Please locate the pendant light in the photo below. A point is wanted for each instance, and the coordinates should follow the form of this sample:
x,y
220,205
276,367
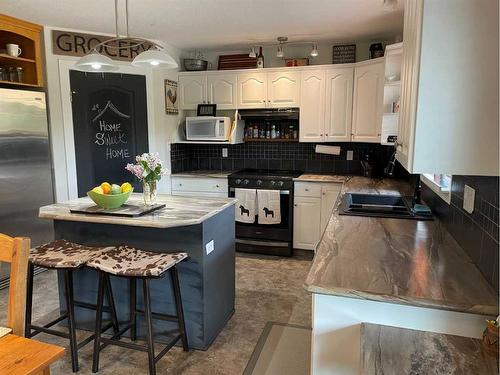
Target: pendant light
x,y
155,57
314,51
279,52
253,53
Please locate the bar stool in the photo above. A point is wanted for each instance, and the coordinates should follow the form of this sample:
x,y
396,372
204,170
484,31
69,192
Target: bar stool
x,y
66,256
135,264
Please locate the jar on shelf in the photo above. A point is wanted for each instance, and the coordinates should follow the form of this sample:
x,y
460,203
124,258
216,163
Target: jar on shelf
x,y
3,74
12,74
19,74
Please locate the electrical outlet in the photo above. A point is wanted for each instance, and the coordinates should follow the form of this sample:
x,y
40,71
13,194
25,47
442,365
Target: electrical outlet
x,y
224,152
469,197
350,154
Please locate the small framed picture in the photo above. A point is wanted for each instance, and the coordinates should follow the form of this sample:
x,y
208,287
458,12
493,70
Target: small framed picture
x,y
171,104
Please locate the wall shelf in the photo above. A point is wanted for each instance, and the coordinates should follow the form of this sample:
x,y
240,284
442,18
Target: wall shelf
x,y
10,83
276,140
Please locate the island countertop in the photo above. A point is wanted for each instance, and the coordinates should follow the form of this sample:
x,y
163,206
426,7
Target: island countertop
x,y
395,260
179,211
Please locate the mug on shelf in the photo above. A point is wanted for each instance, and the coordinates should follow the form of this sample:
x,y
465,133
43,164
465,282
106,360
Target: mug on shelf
x,y
13,50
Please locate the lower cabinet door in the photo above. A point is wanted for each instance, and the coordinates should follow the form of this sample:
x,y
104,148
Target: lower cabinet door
x,y
306,222
329,195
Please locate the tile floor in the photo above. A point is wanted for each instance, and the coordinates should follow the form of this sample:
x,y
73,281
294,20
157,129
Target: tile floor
x,y
267,289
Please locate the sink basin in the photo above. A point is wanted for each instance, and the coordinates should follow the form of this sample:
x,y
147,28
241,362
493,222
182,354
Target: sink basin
x,y
377,205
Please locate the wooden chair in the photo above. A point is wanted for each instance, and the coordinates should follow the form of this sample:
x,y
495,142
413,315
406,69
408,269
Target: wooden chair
x,y
16,252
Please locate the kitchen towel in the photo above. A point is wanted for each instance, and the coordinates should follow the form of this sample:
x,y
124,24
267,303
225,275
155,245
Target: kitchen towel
x,y
268,202
245,207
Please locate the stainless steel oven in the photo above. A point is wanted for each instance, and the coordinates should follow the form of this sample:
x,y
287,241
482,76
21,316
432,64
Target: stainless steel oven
x,y
271,239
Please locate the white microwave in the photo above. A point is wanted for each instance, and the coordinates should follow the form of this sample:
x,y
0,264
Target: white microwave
x,y
208,128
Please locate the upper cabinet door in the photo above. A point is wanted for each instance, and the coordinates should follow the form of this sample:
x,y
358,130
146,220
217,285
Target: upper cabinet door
x,y
368,102
312,106
192,91
338,108
222,90
252,90
283,89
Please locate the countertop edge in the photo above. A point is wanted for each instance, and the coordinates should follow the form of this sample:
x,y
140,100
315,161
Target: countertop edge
x,y
485,310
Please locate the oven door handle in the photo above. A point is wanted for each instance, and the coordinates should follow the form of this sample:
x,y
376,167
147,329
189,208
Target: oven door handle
x,y
282,192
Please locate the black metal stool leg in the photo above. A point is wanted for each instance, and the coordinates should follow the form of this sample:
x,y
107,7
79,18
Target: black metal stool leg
x,y
98,322
178,305
29,301
133,307
70,307
149,327
111,304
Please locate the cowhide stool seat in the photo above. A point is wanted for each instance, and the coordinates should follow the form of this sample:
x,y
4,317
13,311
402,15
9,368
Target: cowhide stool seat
x,y
66,257
136,264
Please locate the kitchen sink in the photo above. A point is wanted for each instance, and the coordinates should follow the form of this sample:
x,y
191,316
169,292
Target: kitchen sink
x,y
377,205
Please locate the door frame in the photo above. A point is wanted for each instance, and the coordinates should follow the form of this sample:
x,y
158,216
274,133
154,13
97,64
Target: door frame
x,y
67,113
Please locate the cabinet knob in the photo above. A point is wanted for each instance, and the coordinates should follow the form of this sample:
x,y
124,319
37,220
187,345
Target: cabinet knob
x,y
306,189
263,101
295,205
326,134
217,186
321,135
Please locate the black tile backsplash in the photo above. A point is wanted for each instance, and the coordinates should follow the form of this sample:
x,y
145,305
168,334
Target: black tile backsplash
x,y
478,232
298,156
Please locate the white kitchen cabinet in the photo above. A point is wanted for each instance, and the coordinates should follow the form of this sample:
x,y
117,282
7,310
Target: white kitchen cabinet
x,y
329,195
313,207
338,108
449,99
368,101
192,91
306,222
252,90
312,105
283,89
221,90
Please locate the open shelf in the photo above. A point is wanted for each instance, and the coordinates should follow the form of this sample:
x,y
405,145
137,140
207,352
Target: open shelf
x,y
4,56
19,84
276,140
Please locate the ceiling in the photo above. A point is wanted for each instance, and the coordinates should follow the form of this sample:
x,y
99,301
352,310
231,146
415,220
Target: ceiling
x,y
220,24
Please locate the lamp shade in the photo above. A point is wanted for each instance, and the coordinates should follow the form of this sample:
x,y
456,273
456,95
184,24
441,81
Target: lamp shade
x,y
95,62
154,58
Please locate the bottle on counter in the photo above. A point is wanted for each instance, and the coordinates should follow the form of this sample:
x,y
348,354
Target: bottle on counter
x,y
278,131
295,133
273,132
260,59
255,131
268,131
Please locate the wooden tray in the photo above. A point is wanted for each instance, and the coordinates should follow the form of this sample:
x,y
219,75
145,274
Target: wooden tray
x,y
239,61
127,210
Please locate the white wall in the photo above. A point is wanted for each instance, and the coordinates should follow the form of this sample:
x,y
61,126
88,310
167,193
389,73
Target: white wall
x,y
160,125
325,50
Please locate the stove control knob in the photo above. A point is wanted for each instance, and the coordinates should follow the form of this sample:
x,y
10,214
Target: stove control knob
x,y
238,181
273,183
259,182
280,183
246,182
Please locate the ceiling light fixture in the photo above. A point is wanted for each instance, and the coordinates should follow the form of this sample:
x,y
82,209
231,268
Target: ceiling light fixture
x,y
281,41
314,51
155,57
252,53
279,52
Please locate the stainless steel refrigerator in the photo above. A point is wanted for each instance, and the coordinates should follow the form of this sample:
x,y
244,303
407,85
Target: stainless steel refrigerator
x,y
25,167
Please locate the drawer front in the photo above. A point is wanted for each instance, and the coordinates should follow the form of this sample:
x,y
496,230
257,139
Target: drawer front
x,y
308,189
214,185
199,194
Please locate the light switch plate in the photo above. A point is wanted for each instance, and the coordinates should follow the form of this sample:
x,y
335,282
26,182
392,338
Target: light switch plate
x,y
209,247
224,152
469,197
350,154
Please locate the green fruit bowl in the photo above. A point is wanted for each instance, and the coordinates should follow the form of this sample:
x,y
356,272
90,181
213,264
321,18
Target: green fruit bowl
x,y
109,200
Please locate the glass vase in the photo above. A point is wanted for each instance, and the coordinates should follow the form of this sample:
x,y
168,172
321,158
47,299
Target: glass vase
x,y
149,192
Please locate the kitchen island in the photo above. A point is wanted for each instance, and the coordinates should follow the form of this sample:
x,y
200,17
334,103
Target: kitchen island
x,y
395,272
203,228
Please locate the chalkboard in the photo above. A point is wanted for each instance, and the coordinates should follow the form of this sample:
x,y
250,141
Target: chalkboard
x,y
110,126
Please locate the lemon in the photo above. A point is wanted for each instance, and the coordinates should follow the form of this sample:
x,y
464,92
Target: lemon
x,y
126,187
98,190
106,187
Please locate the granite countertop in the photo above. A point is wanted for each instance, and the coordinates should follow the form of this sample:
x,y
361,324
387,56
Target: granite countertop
x,y
179,211
203,173
391,350
395,260
311,177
